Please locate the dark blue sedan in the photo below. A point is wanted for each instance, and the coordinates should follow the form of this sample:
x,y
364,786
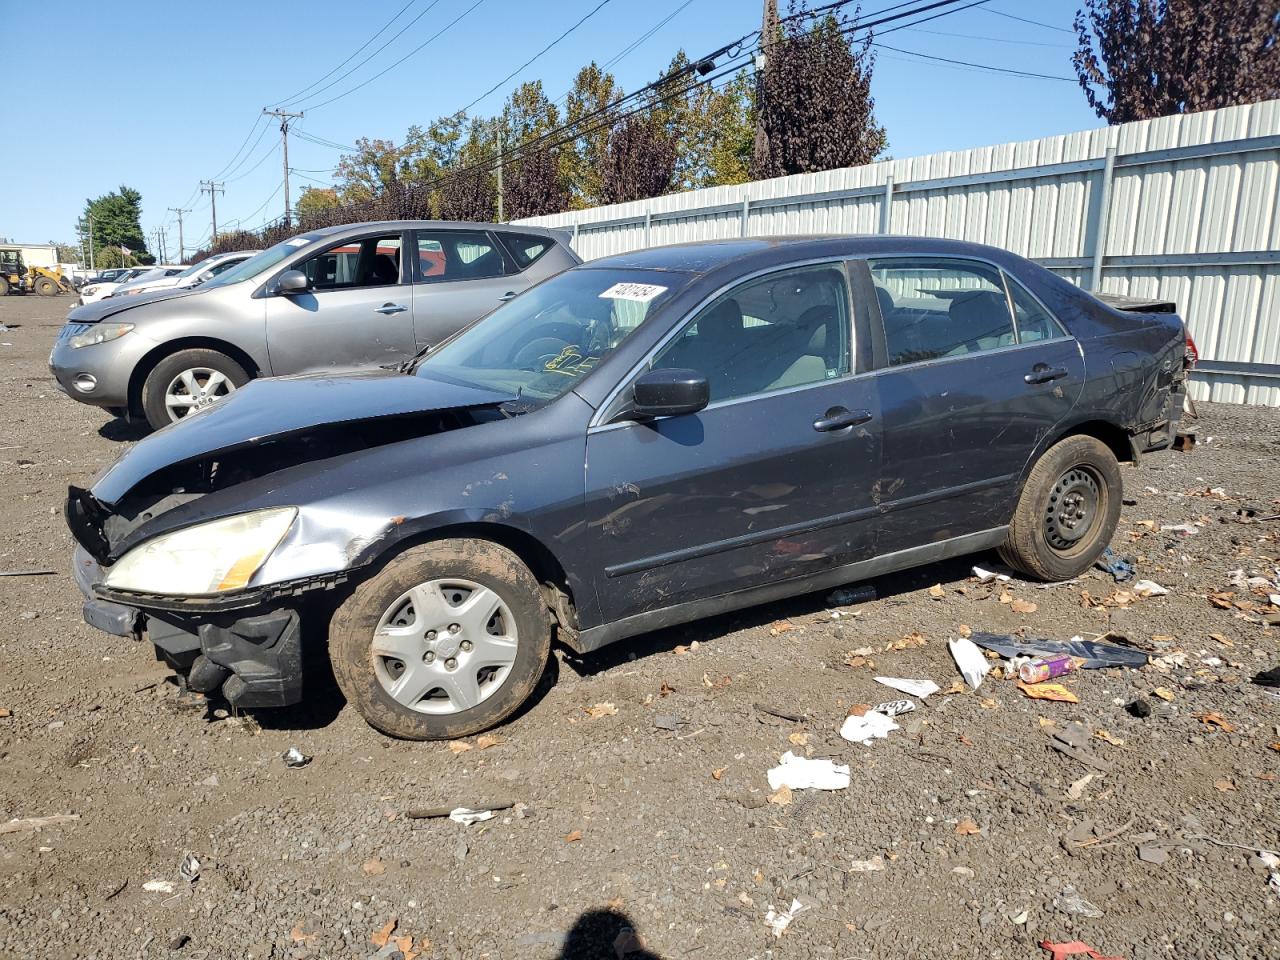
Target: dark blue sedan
x,y
637,442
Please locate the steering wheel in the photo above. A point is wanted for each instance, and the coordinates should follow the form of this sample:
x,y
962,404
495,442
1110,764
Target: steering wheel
x,y
537,353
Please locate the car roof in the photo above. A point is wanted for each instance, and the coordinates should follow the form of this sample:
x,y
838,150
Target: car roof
x,y
430,225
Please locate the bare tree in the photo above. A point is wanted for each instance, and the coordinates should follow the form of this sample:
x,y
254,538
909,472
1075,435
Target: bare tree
x,y
1152,58
639,161
813,98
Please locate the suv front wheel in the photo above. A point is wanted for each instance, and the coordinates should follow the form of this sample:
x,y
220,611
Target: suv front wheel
x,y
186,381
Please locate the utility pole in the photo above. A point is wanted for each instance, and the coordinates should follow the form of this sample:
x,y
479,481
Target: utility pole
x,y
213,189
769,27
284,117
182,249
91,241
498,128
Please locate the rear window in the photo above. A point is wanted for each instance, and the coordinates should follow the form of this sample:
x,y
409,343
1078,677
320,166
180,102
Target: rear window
x,y
525,247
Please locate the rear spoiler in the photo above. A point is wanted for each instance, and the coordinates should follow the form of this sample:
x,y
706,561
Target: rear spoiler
x,y
1137,304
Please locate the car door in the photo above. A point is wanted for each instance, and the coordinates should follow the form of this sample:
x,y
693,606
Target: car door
x,y
965,394
771,481
459,276
356,311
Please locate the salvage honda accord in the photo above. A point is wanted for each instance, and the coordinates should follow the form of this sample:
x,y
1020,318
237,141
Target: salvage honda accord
x,y
639,441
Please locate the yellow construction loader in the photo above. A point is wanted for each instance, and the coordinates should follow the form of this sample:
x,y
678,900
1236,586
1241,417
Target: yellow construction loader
x,y
17,277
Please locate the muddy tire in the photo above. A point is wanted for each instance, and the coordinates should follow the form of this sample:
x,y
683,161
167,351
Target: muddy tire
x,y
449,639
4,287
1067,512
179,383
46,287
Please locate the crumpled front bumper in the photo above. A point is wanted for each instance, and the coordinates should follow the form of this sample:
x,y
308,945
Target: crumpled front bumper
x,y
253,656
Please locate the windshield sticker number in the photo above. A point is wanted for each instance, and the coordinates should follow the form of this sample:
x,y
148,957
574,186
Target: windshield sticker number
x,y
640,292
297,242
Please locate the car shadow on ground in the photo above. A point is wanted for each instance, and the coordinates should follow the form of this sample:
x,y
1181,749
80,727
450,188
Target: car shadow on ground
x,y
124,431
597,934
886,588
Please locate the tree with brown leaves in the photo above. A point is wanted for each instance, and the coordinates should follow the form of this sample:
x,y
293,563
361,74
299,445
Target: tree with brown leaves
x,y
639,161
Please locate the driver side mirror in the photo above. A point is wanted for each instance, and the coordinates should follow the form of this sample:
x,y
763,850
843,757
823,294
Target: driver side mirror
x,y
669,392
293,281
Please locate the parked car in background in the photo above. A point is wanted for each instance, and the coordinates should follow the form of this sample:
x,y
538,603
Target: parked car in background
x,y
640,441
332,300
192,276
101,289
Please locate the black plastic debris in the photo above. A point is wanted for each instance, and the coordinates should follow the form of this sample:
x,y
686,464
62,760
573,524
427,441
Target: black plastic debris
x,y
1119,568
1095,654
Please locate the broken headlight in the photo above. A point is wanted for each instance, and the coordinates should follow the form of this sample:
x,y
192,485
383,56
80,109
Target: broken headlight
x,y
206,558
100,333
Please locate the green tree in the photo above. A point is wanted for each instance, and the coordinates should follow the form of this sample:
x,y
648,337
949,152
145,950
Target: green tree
x,y
719,135
589,109
117,222
371,171
315,202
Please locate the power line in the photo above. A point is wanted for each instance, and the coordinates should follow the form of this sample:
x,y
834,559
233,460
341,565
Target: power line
x,y
979,66
1038,23
261,160
227,168
380,32
971,36
321,141
245,158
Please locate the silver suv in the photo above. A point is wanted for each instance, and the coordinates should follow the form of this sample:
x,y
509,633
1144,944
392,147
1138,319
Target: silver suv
x,y
337,299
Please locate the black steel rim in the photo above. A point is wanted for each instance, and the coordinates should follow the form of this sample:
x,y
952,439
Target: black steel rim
x,y
1072,510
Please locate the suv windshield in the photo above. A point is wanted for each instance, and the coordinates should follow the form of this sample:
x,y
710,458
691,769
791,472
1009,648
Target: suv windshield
x,y
543,342
259,262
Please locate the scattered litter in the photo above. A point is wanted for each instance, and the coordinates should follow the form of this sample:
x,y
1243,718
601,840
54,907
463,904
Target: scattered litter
x,y
802,773
912,688
847,596
189,868
1076,790
870,726
158,886
467,816
1040,669
779,921
967,828
1268,678
27,573
1149,588
598,710
1185,529
969,659
989,576
1048,691
893,708
429,813
38,823
1119,568
1092,654
781,714
1018,605
1071,901
874,865
295,758
1061,951
1073,741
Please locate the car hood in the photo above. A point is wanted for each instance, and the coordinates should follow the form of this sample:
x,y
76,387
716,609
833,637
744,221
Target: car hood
x,y
280,407
111,306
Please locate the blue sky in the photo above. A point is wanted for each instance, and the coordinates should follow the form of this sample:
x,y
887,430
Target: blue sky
x,y
159,95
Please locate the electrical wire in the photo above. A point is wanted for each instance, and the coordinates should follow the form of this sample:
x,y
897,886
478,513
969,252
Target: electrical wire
x,y
227,167
971,36
261,160
969,63
321,141
245,158
1038,23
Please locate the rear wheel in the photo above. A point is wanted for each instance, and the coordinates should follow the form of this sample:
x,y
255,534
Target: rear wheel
x,y
1068,511
46,287
4,287
187,381
448,640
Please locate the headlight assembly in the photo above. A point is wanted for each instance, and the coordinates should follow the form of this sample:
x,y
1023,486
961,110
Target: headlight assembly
x,y
207,558
100,333
90,290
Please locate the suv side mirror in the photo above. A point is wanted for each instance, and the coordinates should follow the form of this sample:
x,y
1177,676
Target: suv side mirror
x,y
293,281
669,392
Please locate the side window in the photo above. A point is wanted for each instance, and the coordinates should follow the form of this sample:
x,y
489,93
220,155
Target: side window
x,y
222,267
935,307
458,255
363,262
1034,321
788,329
526,248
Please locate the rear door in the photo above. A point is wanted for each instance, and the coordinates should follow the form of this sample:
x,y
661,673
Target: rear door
x,y
357,312
773,480
459,276
965,393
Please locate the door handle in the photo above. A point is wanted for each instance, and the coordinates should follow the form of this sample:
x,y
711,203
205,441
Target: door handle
x,y
388,308
509,295
1043,373
838,418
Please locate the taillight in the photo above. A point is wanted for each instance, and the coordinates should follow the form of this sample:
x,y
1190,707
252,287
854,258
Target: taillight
x,y
1193,354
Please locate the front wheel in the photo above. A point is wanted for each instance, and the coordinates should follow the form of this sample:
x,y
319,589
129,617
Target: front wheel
x,y
187,381
46,287
448,640
1068,510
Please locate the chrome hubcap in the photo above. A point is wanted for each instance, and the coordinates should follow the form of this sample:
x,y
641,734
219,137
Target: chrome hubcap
x,y
195,389
1072,508
444,646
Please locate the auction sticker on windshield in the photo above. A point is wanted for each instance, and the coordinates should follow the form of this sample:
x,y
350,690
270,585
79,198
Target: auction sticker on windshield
x,y
642,292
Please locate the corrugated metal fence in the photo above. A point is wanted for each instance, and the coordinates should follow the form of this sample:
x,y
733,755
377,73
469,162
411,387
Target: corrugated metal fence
x,y
1183,208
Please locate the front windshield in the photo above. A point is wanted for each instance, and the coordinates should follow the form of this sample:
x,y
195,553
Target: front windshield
x,y
195,268
259,262
543,342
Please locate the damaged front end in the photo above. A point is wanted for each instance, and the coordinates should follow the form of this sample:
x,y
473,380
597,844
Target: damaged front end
x,y
201,540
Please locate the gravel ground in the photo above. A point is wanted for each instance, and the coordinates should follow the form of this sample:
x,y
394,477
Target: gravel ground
x,y
976,824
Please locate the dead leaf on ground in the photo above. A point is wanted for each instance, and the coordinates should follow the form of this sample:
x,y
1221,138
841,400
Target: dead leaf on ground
x,y
1110,738
1006,596
957,686
781,797
598,710
374,867
937,591
718,772
1274,746
405,945
860,662
859,709
1023,606
487,740
908,641
1216,719
680,650
988,703
780,627
1163,638
5,712
666,689
1219,638
1224,786
967,827
380,938
964,630
615,903
965,740
1164,693
1048,691
459,746
798,739
298,935
573,837
1222,600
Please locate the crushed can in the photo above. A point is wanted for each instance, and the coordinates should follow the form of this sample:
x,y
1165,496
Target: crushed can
x,y
1046,668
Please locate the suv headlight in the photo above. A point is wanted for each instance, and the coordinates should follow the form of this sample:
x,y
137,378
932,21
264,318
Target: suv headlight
x,y
207,558
100,333
90,290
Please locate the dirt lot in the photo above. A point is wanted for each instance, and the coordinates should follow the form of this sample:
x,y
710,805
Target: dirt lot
x,y
972,815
